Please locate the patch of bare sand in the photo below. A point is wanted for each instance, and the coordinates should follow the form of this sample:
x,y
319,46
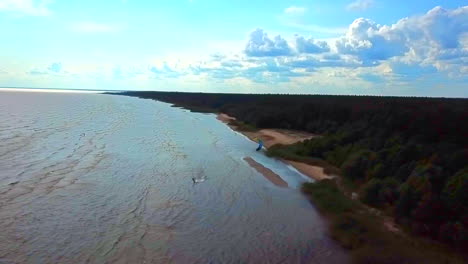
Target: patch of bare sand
x,y
282,136
313,172
272,137
225,118
269,174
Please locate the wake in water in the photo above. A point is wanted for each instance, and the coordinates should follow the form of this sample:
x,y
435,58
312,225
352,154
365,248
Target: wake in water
x,y
198,175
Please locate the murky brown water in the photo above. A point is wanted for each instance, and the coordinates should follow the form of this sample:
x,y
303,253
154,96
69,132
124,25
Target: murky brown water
x,y
88,178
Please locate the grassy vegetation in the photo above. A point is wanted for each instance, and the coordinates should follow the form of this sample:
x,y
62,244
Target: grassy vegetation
x,y
357,230
289,153
241,126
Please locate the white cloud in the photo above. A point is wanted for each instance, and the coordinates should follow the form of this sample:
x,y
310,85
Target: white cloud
x,y
295,10
310,45
260,45
371,42
94,27
26,7
360,5
438,38
432,44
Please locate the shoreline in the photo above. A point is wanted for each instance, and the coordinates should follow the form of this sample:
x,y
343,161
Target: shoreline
x,y
272,137
384,227
369,233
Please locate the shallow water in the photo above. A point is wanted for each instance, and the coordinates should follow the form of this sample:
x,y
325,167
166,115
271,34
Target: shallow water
x,y
89,178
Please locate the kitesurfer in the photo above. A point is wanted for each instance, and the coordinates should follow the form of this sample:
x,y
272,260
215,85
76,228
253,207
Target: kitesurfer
x,y
260,145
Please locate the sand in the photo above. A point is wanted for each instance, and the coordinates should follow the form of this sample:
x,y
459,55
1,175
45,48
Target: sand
x,y
315,172
269,174
272,137
225,118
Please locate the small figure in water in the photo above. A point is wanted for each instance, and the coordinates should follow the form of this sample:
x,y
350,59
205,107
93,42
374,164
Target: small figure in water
x,y
198,175
260,145
198,180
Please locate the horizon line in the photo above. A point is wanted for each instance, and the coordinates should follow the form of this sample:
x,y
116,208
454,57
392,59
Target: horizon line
x,y
19,88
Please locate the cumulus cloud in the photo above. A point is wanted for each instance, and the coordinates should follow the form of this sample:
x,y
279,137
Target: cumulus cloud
x,y
434,41
371,41
392,54
310,45
438,37
26,7
260,45
295,10
444,28
360,5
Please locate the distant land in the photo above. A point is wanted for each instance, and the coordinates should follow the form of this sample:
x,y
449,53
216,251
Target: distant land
x,y
208,93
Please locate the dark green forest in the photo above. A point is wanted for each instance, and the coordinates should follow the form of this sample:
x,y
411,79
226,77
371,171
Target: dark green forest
x,y
407,156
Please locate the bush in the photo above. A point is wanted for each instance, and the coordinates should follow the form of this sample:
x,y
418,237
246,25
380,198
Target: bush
x,y
328,197
349,231
407,201
370,194
357,164
456,189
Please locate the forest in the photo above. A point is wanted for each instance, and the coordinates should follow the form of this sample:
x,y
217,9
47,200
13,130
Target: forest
x,y
407,156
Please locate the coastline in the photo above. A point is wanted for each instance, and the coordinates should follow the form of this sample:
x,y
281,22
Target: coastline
x,y
272,137
369,233
351,224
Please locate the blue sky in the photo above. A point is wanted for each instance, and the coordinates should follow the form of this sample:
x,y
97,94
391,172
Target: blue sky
x,y
380,47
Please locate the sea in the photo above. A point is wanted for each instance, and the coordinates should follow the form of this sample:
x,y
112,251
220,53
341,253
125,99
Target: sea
x,y
100,178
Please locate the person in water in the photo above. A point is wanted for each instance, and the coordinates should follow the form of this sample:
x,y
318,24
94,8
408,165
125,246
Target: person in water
x,y
260,145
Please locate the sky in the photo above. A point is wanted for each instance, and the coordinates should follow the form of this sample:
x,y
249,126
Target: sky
x,y
374,47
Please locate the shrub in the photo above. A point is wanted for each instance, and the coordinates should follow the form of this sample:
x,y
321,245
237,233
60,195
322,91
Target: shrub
x,y
328,197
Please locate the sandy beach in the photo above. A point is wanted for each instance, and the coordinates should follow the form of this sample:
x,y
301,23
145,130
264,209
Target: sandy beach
x,y
315,172
272,137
